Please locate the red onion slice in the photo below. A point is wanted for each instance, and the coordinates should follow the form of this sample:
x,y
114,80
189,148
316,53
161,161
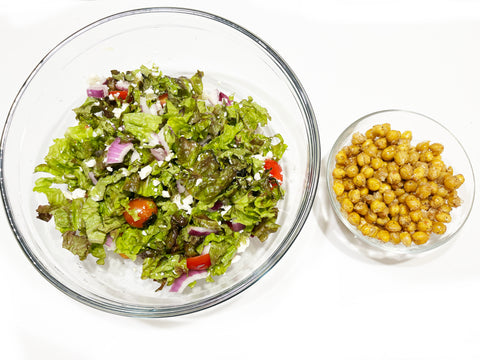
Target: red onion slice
x,y
236,226
93,178
109,240
178,284
158,153
97,91
217,206
117,151
200,231
222,97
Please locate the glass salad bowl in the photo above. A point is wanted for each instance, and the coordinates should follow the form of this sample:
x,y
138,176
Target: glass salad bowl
x,y
180,42
413,195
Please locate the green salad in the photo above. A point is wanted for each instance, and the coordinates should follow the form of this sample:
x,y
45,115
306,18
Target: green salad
x,y
159,171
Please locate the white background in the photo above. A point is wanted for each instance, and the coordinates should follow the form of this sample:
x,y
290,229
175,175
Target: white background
x,y
325,299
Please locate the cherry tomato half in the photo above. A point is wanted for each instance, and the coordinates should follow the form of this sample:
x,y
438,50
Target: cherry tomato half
x,y
200,262
275,169
144,212
121,94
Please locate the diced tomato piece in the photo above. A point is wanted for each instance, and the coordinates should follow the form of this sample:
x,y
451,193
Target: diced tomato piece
x,y
145,211
124,256
200,262
275,169
163,99
121,94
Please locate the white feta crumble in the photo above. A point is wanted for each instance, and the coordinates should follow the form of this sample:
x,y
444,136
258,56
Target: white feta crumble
x,y
169,156
139,76
259,157
109,168
118,111
135,156
160,162
155,182
183,204
111,97
198,182
275,141
145,171
90,163
144,233
75,194
269,155
166,194
257,176
125,171
78,193
149,91
225,209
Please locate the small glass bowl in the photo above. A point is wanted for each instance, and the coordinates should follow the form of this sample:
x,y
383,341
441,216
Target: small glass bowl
x,y
180,42
423,128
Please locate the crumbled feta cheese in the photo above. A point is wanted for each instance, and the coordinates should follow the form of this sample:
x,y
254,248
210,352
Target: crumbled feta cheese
x,y
149,91
165,194
139,76
160,162
78,193
109,168
249,179
169,156
144,233
183,204
90,163
259,157
198,182
155,182
125,171
269,155
118,111
135,156
111,97
225,209
75,194
257,176
275,141
145,171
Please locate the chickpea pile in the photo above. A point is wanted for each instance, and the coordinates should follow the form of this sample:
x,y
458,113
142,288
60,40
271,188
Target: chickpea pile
x,y
392,190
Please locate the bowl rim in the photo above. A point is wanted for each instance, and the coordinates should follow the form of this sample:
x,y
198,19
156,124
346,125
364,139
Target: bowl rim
x,y
310,186
377,244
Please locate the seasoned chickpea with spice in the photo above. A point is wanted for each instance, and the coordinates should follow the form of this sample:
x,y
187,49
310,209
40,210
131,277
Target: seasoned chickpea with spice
x,y
395,191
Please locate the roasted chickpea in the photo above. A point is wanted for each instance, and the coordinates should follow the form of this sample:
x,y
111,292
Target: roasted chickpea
x,y
376,163
338,188
361,208
406,171
351,171
338,173
358,138
359,180
354,218
363,159
420,237
405,238
443,217
383,235
388,196
410,186
393,136
354,196
412,202
439,228
436,148
388,153
393,226
373,184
